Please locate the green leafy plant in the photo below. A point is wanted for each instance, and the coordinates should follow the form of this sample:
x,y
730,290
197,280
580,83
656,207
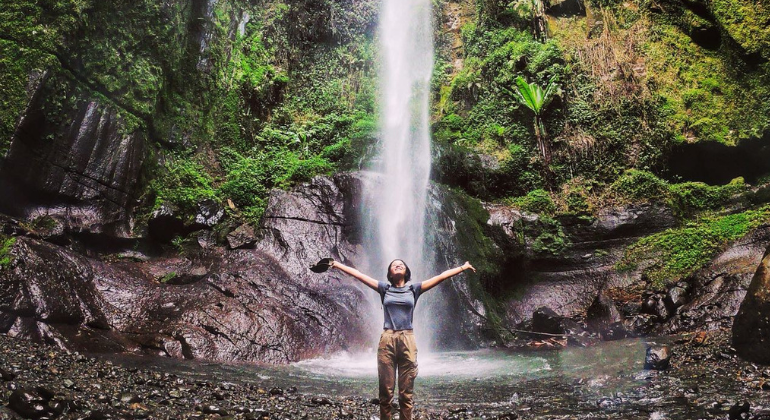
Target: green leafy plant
x,y
185,183
537,99
638,186
168,277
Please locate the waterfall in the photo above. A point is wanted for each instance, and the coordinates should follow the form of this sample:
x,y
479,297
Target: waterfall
x,y
397,201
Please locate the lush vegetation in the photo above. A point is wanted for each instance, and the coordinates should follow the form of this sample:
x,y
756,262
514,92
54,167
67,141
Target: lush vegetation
x,y
669,256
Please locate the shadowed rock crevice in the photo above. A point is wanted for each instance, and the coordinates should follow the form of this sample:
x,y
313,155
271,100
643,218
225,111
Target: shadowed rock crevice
x,y
717,164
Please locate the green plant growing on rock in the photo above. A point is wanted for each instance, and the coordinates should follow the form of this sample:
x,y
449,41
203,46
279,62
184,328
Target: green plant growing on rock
x,y
690,197
536,201
635,186
184,184
669,256
167,277
537,99
5,251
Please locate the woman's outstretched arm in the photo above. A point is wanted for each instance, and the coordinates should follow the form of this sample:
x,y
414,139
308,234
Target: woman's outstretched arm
x,y
363,278
434,281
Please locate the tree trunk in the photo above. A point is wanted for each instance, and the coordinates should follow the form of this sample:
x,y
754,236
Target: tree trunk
x,y
545,150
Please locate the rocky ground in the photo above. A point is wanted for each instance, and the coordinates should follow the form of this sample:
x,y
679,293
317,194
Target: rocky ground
x,y
705,380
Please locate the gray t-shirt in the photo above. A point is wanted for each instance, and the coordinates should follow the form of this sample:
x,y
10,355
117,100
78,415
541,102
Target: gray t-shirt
x,y
398,304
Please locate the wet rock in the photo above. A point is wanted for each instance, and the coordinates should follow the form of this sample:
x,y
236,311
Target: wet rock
x,y
207,239
715,292
211,409
751,329
241,237
129,398
91,306
7,375
601,315
545,320
654,304
616,331
208,215
81,167
657,358
676,296
739,411
30,404
568,281
320,401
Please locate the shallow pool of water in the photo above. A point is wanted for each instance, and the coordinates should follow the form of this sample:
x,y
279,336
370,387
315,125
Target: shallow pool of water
x,y
477,379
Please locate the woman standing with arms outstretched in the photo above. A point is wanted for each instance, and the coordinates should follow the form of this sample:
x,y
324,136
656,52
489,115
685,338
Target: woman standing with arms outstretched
x,y
397,350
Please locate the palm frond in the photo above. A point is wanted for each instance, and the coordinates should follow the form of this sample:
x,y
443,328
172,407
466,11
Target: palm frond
x,y
526,94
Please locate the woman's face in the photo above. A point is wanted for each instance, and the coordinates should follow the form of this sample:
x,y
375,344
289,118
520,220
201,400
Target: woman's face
x,y
397,267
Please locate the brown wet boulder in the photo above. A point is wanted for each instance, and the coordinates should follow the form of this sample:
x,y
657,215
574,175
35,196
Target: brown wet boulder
x,y
657,357
602,312
751,327
242,237
243,306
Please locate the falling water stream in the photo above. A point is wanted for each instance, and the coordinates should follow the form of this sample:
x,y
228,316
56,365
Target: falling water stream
x,y
397,201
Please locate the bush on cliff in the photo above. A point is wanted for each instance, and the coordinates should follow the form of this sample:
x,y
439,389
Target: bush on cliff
x,y
184,183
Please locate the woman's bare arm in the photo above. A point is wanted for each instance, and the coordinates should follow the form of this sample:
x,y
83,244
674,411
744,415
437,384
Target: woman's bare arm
x,y
434,281
363,278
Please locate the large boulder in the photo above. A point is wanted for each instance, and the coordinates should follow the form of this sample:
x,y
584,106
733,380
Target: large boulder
x,y
711,297
751,328
570,281
242,307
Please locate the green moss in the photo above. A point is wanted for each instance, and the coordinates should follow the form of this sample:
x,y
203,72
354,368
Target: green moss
x,y
17,64
6,244
691,197
638,186
170,275
536,201
674,254
486,248
747,22
712,95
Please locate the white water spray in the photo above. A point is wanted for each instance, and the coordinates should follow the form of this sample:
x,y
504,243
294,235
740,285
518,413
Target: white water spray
x,y
406,41
397,202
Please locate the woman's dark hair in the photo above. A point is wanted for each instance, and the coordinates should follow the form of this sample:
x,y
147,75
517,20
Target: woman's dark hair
x,y
407,276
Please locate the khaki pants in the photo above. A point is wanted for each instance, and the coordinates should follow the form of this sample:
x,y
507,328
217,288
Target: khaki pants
x,y
397,350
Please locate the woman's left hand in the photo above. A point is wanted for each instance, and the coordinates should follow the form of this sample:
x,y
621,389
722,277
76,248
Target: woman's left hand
x,y
467,266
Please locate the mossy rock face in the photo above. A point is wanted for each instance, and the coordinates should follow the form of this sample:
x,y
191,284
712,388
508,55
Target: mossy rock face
x,y
747,22
672,255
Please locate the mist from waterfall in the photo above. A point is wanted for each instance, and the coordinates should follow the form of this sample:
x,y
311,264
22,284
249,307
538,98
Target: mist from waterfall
x,y
397,200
